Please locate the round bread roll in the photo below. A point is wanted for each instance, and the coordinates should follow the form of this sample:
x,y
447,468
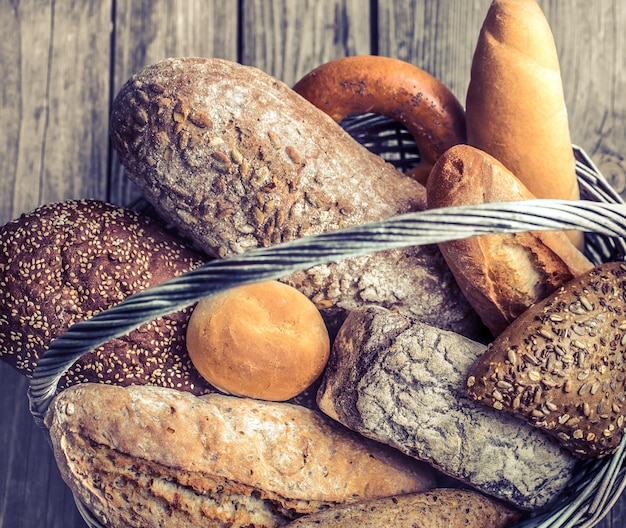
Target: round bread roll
x,y
264,340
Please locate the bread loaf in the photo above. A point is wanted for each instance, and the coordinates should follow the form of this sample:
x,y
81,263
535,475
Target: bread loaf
x,y
64,262
515,105
503,274
560,365
402,383
439,508
237,160
263,340
149,456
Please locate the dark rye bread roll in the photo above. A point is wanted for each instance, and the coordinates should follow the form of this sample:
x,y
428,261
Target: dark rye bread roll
x,y
236,160
149,456
64,262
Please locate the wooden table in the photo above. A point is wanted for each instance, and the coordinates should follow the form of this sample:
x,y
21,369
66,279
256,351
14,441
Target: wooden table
x,y
61,63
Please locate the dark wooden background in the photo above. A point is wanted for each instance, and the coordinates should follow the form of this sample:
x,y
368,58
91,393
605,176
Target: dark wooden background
x,y
62,62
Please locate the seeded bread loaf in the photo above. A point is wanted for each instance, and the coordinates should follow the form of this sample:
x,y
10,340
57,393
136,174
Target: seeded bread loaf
x,y
64,262
402,383
502,274
439,508
560,365
236,160
149,456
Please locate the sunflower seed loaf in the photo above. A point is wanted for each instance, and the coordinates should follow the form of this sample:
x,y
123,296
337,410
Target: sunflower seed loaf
x,y
402,383
561,364
149,456
236,160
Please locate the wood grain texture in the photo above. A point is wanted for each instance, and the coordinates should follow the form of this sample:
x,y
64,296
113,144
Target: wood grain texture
x,y
288,39
62,62
56,57
148,31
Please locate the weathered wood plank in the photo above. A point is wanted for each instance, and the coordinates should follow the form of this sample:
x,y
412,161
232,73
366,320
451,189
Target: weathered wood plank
x,y
55,88
591,42
147,31
288,39
54,61
439,37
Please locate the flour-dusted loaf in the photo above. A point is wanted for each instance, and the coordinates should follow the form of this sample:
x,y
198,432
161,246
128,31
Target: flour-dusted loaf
x,y
237,160
401,382
63,263
438,508
148,456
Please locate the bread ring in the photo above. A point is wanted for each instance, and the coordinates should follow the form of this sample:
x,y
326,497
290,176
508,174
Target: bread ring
x,y
393,88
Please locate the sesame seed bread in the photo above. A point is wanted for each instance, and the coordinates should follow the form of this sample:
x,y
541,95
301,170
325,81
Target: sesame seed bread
x,y
560,365
502,274
438,508
148,456
402,382
64,262
236,159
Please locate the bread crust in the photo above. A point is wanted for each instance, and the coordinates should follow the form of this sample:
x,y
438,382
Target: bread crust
x,y
439,508
280,458
515,105
264,340
237,160
64,262
562,361
401,382
502,274
393,88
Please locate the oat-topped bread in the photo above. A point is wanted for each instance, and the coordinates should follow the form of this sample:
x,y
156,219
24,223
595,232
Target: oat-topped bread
x,y
149,456
237,160
560,365
64,262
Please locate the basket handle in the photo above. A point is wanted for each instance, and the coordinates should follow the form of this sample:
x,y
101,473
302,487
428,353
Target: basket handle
x,y
424,227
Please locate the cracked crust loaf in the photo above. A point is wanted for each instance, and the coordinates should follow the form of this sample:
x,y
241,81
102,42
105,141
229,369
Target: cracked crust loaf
x,y
403,383
149,456
236,160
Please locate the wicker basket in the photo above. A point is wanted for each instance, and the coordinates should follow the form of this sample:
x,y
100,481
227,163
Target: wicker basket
x,y
601,213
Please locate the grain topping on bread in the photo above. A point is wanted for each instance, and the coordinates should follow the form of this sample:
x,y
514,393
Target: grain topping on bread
x,y
237,160
63,263
560,365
